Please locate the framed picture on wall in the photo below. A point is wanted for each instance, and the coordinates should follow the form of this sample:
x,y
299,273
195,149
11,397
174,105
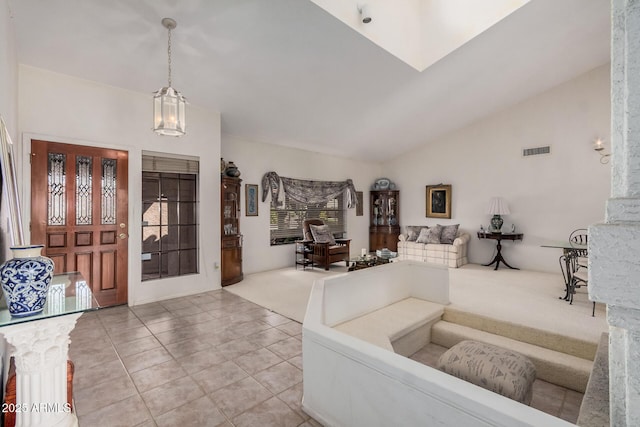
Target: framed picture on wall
x,y
439,201
360,205
251,199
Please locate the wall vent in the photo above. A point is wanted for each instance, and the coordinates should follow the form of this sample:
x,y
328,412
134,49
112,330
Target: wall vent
x,y
536,151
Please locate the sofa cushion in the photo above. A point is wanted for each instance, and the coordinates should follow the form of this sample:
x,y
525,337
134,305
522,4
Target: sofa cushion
x,y
449,233
502,371
430,235
413,231
322,234
432,247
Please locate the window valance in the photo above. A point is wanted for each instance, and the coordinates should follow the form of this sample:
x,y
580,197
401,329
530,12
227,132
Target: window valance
x,y
307,191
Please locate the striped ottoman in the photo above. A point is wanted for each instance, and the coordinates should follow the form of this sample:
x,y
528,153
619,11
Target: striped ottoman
x,y
494,368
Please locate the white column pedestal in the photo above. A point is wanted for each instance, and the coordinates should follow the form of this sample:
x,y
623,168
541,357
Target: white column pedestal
x,y
40,349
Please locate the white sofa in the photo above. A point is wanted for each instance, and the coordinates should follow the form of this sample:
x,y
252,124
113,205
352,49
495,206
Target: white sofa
x,y
452,255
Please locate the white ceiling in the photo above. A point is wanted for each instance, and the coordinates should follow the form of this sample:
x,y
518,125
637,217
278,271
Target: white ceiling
x,y
286,72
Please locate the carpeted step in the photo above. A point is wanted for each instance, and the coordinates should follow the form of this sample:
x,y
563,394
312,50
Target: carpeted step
x,y
552,366
546,339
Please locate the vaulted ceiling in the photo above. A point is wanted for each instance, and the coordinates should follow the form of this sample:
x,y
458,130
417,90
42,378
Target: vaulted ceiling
x,y
287,72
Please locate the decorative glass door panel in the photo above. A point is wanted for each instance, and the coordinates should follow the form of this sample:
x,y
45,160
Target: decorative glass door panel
x,y
109,188
83,190
56,194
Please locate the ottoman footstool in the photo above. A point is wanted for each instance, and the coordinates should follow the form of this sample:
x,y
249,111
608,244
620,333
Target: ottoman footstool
x,y
491,367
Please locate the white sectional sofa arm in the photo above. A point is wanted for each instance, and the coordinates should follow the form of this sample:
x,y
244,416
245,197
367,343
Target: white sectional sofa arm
x,y
402,237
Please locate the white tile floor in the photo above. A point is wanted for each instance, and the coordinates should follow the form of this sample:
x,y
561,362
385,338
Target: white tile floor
x,y
209,360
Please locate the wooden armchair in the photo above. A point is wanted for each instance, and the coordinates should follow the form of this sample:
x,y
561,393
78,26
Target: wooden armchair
x,y
325,253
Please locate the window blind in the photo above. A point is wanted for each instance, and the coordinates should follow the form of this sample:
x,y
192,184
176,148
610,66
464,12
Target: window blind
x,y
286,221
169,164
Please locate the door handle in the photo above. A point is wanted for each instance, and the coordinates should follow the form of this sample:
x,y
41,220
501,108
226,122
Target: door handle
x,y
122,236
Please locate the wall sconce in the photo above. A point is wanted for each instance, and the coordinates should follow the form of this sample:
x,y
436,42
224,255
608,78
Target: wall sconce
x,y
599,147
364,13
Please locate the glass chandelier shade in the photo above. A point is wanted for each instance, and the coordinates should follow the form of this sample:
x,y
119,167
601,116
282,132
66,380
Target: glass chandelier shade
x,y
169,105
169,112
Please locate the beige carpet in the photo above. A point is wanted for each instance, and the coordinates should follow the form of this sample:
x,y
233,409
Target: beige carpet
x,y
285,291
521,297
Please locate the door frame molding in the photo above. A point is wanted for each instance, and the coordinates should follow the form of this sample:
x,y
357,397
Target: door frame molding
x,y
24,177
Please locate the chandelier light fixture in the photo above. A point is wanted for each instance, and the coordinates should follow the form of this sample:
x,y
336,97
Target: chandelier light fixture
x,y
168,103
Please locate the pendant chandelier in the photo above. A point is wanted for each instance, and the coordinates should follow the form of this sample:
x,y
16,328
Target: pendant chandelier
x,y
168,103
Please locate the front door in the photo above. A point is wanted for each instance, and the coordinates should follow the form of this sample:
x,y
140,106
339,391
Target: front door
x,y
79,212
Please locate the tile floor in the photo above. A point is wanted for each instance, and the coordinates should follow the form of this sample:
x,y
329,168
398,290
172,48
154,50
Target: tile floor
x,y
210,360
214,359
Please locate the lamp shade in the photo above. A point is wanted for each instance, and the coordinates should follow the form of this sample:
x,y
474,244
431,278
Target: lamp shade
x,y
498,206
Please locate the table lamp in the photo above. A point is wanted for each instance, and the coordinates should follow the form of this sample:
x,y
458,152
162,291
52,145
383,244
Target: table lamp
x,y
497,206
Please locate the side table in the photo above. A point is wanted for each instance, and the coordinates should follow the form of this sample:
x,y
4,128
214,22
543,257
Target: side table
x,y
499,237
303,252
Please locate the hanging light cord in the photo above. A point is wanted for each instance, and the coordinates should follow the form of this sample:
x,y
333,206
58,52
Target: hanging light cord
x,y
169,53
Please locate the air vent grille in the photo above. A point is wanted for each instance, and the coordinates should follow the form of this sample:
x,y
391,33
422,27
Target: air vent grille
x,y
536,151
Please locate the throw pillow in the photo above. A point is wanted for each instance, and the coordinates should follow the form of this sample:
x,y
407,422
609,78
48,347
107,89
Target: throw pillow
x,y
430,235
413,232
322,234
449,233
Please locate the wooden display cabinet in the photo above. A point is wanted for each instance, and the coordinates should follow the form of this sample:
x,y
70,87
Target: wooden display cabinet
x,y
384,227
231,238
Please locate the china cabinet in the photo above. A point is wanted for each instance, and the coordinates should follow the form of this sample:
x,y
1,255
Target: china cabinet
x,y
384,227
231,238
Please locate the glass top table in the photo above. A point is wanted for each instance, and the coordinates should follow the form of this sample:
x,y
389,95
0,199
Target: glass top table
x,y
68,293
566,245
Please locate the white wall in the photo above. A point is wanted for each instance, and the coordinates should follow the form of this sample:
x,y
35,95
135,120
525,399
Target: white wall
x,y
8,71
255,159
395,26
8,110
548,195
8,104
61,108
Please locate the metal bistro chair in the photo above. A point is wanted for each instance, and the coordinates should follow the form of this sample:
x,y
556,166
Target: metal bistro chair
x,y
579,262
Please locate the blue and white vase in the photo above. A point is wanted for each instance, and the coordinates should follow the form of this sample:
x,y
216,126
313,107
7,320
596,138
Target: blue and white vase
x,y
25,280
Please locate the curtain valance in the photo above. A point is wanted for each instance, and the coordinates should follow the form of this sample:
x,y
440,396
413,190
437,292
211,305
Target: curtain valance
x,y
306,191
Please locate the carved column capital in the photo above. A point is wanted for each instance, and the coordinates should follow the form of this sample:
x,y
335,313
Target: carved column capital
x,y
40,349
41,344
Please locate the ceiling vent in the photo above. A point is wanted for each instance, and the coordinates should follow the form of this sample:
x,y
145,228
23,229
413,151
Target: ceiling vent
x,y
536,151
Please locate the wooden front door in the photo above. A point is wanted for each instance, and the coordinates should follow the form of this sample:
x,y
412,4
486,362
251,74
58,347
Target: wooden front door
x,y
79,212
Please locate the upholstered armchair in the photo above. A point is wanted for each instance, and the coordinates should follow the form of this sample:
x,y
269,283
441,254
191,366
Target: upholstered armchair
x,y
325,248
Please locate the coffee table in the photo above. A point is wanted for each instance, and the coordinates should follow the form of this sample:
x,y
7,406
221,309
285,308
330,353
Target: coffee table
x,y
360,262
